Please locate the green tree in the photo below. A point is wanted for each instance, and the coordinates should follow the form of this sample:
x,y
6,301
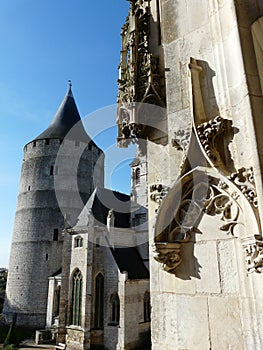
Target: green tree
x,y
10,339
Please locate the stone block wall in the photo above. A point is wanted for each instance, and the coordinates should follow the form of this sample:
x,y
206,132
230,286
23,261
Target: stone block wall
x,y
210,301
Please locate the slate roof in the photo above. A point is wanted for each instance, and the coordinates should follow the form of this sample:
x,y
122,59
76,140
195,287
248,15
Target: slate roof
x,y
99,204
66,119
129,259
101,201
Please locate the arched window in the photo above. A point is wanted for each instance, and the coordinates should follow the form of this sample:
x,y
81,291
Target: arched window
x,y
76,298
56,301
115,308
137,176
146,307
78,242
99,301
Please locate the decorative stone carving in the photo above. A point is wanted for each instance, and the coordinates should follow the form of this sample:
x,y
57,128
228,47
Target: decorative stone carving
x,y
221,203
245,181
140,79
168,254
209,133
254,256
158,192
181,140
182,212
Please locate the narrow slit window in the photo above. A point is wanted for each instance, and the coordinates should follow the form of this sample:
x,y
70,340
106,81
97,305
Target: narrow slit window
x,y
51,170
55,234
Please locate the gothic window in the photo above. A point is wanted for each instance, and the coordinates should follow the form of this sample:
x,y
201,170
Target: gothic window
x,y
56,301
76,298
146,307
99,301
47,141
78,242
137,176
115,308
34,143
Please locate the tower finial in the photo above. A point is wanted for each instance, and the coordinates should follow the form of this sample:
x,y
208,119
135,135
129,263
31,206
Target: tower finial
x,y
69,83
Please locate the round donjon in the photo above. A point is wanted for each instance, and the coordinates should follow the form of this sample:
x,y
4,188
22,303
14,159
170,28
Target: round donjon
x,y
56,181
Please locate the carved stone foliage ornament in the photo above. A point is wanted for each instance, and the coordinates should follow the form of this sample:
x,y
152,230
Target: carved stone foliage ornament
x,y
211,135
181,139
254,256
183,210
157,193
245,181
223,204
140,77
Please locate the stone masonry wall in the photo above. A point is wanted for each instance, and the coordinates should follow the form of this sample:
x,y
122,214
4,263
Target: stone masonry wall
x,y
211,302
45,199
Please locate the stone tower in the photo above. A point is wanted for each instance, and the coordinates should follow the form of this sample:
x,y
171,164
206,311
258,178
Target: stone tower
x,y
56,181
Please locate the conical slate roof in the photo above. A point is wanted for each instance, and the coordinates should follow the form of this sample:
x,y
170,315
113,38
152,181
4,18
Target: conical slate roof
x,y
66,122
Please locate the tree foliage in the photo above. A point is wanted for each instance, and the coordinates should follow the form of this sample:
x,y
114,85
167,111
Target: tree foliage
x,y
3,279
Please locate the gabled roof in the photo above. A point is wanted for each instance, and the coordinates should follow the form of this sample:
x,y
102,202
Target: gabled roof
x,y
66,122
97,208
100,202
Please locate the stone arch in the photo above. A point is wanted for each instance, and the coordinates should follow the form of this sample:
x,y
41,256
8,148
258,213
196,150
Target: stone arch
x,y
199,194
76,299
114,308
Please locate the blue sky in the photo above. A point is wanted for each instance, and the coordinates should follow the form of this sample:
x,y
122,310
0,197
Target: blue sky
x,y
42,45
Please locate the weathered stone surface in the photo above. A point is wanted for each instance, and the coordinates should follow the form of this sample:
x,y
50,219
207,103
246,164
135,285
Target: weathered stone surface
x,y
225,323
